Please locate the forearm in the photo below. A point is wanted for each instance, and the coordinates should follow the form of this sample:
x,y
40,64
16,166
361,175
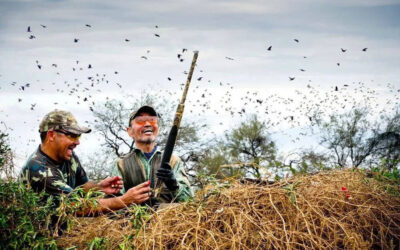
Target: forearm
x,y
90,185
105,206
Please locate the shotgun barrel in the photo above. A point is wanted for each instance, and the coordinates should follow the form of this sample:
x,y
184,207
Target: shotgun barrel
x,y
169,147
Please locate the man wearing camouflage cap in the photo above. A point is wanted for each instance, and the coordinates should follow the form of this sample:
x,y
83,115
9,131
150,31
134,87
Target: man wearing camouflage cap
x,y
142,164
55,169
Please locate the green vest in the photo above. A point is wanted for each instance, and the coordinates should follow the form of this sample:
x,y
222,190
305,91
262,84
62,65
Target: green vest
x,y
134,173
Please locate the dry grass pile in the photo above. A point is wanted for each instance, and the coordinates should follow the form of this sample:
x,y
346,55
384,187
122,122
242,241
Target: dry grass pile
x,y
115,230
338,209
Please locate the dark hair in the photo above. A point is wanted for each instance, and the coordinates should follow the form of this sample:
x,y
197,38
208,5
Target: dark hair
x,y
43,136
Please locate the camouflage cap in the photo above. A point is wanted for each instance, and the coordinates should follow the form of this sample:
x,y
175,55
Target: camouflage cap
x,y
59,119
143,109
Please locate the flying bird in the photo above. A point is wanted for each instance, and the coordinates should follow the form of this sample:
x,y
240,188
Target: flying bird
x,y
296,40
157,35
336,88
291,78
44,26
28,29
169,78
364,49
199,79
143,57
338,64
343,50
183,50
76,40
32,37
302,70
229,58
127,40
88,25
269,48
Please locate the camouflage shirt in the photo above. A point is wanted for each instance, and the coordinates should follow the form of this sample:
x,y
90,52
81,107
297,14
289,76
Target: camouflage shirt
x,y
43,173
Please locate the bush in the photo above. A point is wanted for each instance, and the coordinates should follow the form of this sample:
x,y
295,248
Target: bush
x,y
25,220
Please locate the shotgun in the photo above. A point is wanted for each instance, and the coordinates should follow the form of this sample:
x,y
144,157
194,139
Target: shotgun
x,y
173,133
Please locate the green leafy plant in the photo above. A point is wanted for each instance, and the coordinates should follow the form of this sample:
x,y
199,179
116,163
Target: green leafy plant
x,y
25,218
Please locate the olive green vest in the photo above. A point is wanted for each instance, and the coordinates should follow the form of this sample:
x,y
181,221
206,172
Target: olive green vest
x,y
133,173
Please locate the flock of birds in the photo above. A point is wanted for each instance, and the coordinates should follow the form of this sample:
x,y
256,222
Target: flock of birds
x,y
209,97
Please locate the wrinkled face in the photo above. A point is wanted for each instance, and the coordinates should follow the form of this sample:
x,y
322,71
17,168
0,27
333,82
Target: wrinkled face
x,y
63,144
144,128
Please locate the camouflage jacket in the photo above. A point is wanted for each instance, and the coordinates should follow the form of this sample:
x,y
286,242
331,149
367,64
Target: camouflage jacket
x,y
43,173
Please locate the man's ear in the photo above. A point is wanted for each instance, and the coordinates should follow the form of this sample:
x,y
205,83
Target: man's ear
x,y
129,131
51,135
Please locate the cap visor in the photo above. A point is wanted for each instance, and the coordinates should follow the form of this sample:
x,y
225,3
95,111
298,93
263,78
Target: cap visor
x,y
77,130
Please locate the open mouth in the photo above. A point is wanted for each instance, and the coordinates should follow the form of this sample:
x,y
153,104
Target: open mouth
x,y
69,150
148,131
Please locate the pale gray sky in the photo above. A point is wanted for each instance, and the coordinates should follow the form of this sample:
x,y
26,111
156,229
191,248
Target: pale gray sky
x,y
242,30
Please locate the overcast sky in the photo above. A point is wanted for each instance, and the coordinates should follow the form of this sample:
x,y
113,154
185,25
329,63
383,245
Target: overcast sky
x,y
234,63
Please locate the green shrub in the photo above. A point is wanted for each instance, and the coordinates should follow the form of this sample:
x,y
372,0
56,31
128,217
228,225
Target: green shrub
x,y
25,220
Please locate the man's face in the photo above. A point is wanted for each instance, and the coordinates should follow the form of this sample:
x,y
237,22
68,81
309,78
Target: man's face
x,y
144,128
64,144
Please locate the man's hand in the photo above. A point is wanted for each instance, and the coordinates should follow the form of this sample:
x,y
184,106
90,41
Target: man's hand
x,y
165,174
138,194
111,185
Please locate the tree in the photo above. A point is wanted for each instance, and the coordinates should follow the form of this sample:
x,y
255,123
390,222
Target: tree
x,y
7,168
386,144
250,144
347,137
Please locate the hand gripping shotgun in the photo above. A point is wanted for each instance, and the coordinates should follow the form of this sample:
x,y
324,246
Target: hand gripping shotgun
x,y
169,147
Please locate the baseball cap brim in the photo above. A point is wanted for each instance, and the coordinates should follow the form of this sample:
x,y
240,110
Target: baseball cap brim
x,y
77,130
145,109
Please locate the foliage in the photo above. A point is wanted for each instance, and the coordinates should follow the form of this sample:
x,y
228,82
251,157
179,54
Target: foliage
x,y
25,220
346,136
250,143
387,143
309,162
6,158
211,163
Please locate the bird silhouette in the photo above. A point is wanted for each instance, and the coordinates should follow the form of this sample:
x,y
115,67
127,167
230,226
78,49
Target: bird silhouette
x,y
343,50
76,40
364,49
269,48
296,40
88,25
291,78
